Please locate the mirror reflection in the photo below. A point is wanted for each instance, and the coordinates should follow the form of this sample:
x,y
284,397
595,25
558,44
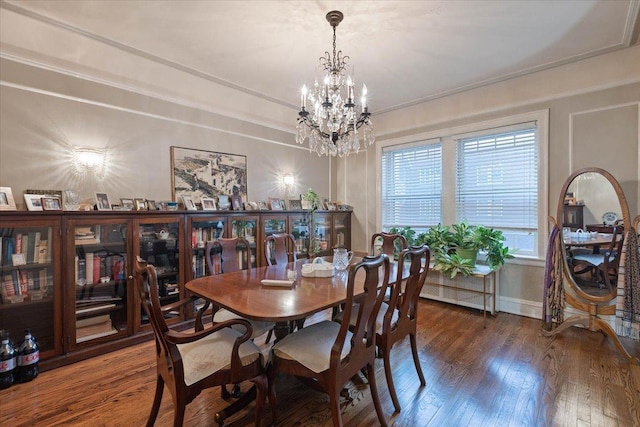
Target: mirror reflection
x,y
593,233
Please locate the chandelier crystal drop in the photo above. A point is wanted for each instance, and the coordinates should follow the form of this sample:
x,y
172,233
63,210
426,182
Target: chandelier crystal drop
x,y
328,115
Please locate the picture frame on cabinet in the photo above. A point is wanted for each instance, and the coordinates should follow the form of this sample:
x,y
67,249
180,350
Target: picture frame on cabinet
x,y
151,205
7,203
236,202
188,203
208,203
275,205
51,204
262,205
102,202
295,204
127,204
140,204
196,173
223,202
33,201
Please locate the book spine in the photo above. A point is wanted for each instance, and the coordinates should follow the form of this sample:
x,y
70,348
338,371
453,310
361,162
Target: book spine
x,y
36,246
96,269
18,245
89,267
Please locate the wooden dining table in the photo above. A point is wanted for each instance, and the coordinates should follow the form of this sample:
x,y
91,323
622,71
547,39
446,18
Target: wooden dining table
x,y
242,292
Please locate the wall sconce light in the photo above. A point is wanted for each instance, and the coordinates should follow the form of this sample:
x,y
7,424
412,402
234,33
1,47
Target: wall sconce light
x,y
288,180
89,160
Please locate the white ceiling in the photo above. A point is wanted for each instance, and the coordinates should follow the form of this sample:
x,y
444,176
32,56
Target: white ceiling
x,y
405,51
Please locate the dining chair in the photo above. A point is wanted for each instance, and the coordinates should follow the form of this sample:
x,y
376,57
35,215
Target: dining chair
x,y
226,255
397,319
605,262
328,354
189,362
280,248
391,243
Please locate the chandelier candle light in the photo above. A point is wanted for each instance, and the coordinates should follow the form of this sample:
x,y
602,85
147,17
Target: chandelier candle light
x,y
333,123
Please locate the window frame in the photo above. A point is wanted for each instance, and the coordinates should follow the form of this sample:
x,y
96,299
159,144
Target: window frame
x,y
449,137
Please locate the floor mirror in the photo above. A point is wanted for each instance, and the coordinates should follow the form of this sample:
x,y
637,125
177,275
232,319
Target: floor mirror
x,y
586,257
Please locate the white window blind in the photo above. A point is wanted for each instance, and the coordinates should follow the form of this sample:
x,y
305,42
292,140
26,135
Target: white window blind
x,y
497,182
412,186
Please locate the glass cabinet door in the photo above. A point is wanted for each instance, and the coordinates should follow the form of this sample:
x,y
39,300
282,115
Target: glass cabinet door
x,y
322,235
98,280
247,227
203,230
29,282
299,229
158,242
271,224
341,230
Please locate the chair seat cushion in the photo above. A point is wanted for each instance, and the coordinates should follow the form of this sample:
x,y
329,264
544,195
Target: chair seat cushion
x,y
213,353
379,319
311,346
259,327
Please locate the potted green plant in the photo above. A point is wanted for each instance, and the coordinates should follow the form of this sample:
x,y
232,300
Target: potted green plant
x,y
454,248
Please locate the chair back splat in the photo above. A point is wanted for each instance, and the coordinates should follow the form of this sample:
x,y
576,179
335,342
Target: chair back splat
x,y
279,248
390,243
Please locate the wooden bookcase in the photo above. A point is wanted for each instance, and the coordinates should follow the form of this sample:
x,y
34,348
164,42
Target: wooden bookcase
x,y
76,311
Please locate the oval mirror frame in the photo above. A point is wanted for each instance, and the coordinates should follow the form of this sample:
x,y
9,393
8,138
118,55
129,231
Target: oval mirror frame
x,y
625,217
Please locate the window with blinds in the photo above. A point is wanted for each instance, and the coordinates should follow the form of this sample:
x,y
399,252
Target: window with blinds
x,y
497,184
412,186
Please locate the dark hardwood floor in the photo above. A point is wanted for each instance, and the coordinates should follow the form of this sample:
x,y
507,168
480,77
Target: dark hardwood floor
x,y
505,375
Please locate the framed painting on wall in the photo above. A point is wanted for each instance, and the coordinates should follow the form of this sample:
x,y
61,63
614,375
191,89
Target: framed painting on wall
x,y
199,173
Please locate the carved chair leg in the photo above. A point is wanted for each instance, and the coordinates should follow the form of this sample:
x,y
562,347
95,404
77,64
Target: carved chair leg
x,y
374,395
157,399
416,359
387,372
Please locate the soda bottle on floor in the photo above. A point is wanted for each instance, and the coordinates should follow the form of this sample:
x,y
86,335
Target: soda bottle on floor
x,y
28,357
7,361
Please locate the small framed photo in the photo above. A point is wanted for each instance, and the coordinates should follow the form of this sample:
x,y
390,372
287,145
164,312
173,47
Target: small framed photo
x,y
127,204
331,206
7,203
51,204
140,204
33,201
188,203
151,205
306,204
102,202
208,203
236,202
275,205
262,205
294,204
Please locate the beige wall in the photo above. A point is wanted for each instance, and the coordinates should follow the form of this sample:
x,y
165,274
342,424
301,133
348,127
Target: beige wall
x,y
593,121
45,114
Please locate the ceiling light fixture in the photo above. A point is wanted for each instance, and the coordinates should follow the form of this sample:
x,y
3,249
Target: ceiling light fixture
x,y
332,124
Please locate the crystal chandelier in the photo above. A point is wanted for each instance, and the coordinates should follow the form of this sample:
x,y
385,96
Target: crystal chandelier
x,y
332,124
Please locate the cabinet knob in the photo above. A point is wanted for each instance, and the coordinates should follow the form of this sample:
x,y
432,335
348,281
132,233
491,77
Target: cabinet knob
x,y
130,277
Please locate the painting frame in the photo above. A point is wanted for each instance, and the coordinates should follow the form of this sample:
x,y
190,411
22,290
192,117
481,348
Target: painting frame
x,y
140,204
200,173
7,202
295,205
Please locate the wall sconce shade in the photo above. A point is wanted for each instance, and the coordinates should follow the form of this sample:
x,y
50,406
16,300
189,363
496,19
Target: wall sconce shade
x,y
288,180
88,160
